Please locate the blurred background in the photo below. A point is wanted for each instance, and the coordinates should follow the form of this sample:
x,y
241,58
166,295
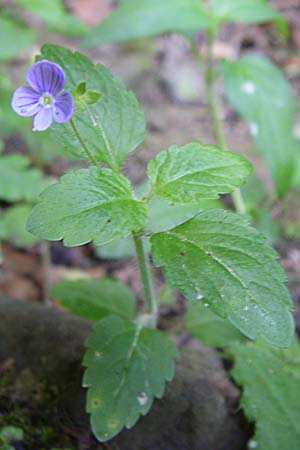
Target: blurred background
x,y
165,76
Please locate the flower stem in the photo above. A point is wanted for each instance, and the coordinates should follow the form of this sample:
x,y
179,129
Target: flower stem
x,y
145,275
210,76
86,150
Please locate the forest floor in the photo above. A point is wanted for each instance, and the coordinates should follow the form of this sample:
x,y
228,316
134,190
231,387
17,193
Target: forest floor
x,y
168,85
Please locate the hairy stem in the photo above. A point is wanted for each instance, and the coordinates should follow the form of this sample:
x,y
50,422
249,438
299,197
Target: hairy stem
x,y
210,76
145,275
141,256
80,140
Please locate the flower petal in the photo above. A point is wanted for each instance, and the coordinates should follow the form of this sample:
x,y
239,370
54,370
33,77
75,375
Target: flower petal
x,y
46,77
43,119
25,101
63,107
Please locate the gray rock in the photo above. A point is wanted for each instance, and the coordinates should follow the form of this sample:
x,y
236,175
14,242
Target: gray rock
x,y
198,411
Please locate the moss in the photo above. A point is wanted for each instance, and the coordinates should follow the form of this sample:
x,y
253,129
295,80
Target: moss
x,y
32,406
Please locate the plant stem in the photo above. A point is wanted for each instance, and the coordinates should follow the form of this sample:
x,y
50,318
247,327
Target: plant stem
x,y
141,256
46,266
211,94
86,150
145,275
210,76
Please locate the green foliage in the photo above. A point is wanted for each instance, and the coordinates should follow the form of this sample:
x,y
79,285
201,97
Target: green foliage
x,y
263,221
297,169
219,257
256,199
254,193
211,255
87,204
14,37
140,18
111,127
248,11
290,215
268,108
18,181
162,217
90,97
13,225
117,249
203,324
54,16
195,171
127,367
8,118
95,298
10,434
271,386
84,97
165,295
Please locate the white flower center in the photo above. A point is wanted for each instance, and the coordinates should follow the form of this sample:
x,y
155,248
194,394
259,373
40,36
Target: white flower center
x,y
46,100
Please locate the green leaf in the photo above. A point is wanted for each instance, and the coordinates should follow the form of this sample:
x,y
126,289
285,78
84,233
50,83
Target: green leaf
x,y
256,198
54,15
17,180
254,193
297,169
117,249
87,204
91,97
84,97
205,325
165,295
218,256
248,11
95,298
13,226
271,386
162,217
194,171
80,89
9,120
113,126
14,38
9,434
127,367
140,18
290,215
269,110
266,225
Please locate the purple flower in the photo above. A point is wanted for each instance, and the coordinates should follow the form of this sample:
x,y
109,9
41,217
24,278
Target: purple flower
x,y
44,98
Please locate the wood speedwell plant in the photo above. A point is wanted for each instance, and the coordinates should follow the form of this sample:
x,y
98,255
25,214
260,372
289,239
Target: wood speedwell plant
x,y
213,256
